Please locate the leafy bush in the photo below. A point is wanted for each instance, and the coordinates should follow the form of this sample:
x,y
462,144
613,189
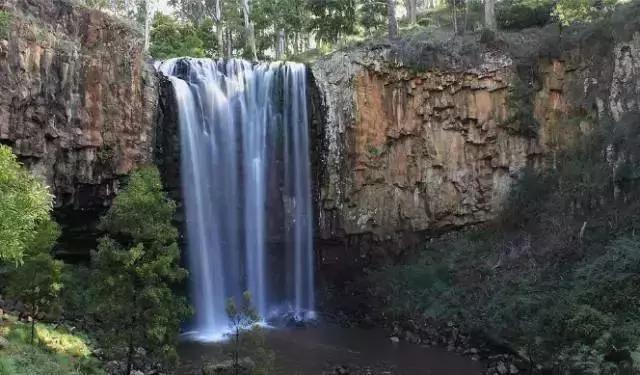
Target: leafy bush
x,y
172,38
25,202
572,11
520,14
556,275
520,101
5,23
58,352
75,296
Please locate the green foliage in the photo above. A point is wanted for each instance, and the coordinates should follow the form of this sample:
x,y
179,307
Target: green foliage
x,y
24,203
37,281
556,275
135,269
75,296
372,15
520,14
57,352
5,23
248,340
172,38
332,19
520,101
572,11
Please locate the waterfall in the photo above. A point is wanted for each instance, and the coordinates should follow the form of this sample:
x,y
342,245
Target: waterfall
x,y
245,173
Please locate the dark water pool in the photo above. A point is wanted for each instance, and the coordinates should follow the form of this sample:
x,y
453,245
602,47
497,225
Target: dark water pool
x,y
311,351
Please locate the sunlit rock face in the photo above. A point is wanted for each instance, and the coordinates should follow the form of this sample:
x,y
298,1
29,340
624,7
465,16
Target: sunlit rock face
x,y
411,153
77,102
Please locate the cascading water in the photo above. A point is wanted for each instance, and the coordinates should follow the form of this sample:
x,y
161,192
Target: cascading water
x,y
246,186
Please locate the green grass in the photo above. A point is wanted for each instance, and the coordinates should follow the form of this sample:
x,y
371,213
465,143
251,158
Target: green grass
x,y
54,352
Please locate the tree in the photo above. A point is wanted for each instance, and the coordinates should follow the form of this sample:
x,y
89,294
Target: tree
x,y
136,268
170,38
25,203
570,11
490,15
332,19
412,10
373,15
197,11
393,22
38,281
249,30
241,318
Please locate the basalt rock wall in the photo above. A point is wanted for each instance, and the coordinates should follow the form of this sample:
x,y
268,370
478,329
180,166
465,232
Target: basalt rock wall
x,y
412,152
77,104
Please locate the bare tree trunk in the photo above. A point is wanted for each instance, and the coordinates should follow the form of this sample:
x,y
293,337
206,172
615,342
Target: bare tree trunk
x,y
228,44
249,30
490,15
455,16
412,11
217,19
148,10
393,22
281,45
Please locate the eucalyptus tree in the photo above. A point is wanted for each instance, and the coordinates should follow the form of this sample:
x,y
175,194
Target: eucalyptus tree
x,y
332,19
197,11
393,22
412,10
490,15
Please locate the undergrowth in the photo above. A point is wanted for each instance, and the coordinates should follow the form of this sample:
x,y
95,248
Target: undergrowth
x,y
556,275
56,351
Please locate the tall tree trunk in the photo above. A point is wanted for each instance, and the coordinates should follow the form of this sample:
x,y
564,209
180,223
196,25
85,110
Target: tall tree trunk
x,y
412,10
490,15
249,29
393,22
220,38
281,45
148,15
228,44
454,13
217,19
33,328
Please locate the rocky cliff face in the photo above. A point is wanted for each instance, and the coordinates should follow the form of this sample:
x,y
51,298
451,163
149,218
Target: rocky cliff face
x,y
411,152
77,102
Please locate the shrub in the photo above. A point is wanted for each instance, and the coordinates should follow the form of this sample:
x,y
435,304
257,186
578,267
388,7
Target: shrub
x,y
520,14
37,281
25,202
75,296
572,11
5,23
520,102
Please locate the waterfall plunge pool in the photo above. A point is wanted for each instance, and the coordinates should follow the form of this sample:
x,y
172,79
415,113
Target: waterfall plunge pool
x,y
321,349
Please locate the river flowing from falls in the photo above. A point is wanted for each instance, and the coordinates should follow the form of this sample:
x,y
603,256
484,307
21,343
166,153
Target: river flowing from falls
x,y
245,173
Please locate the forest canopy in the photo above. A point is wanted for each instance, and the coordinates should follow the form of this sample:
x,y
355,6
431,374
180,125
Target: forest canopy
x,y
277,29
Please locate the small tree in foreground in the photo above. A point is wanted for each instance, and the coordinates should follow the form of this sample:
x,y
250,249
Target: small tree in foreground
x,y
38,281
135,269
24,203
248,339
241,318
